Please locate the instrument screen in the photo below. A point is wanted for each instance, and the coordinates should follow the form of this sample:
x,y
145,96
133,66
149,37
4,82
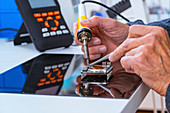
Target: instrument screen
x,y
41,3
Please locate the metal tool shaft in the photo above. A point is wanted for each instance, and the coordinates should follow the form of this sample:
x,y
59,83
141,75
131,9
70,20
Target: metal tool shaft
x,y
100,60
106,89
86,51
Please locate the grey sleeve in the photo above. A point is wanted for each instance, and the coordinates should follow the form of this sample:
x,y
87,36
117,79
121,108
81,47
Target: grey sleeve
x,y
163,23
168,99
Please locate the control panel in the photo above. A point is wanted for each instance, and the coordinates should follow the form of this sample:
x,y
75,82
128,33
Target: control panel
x,y
45,24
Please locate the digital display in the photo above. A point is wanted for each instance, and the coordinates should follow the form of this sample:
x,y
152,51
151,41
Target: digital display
x,y
41,3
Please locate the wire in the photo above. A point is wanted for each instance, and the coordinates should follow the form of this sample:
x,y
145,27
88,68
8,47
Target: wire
x,y
88,1
8,29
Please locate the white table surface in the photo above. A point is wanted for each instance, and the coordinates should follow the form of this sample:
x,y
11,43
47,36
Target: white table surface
x,y
12,56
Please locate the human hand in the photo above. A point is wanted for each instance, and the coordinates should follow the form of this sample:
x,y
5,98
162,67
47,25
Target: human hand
x,y
146,52
122,85
107,34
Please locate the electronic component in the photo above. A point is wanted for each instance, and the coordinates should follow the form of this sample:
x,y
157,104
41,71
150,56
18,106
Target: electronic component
x,y
84,34
45,24
96,74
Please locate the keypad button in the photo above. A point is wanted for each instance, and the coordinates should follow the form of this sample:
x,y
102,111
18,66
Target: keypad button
x,y
60,76
62,27
64,68
37,15
59,32
54,28
66,64
46,24
56,12
46,34
52,34
40,19
46,71
47,82
44,29
50,14
53,81
59,80
43,80
49,18
40,84
47,67
44,14
54,66
65,31
58,17
60,65
56,22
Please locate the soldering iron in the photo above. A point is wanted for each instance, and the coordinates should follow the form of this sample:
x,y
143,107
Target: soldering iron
x,y
84,33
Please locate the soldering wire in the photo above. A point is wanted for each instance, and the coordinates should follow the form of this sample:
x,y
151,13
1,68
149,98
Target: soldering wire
x,y
89,1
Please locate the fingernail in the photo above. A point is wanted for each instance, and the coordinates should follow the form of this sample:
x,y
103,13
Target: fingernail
x,y
102,49
98,55
110,58
96,42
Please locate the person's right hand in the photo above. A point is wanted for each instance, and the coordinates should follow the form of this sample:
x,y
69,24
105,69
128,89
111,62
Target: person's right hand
x,y
107,35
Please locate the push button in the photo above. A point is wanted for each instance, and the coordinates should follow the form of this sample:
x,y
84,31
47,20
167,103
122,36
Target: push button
x,y
37,15
40,19
40,84
52,34
49,18
46,34
46,24
43,80
58,17
56,22
65,31
44,14
54,28
47,82
53,81
59,32
56,12
50,14
62,27
59,80
44,29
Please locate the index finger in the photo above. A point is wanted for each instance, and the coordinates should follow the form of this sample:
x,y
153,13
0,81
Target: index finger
x,y
126,46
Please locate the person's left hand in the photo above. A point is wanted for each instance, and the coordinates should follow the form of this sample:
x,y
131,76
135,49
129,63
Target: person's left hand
x,y
146,52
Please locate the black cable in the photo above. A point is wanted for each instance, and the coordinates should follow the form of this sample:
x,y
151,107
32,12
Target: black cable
x,y
107,8
8,29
